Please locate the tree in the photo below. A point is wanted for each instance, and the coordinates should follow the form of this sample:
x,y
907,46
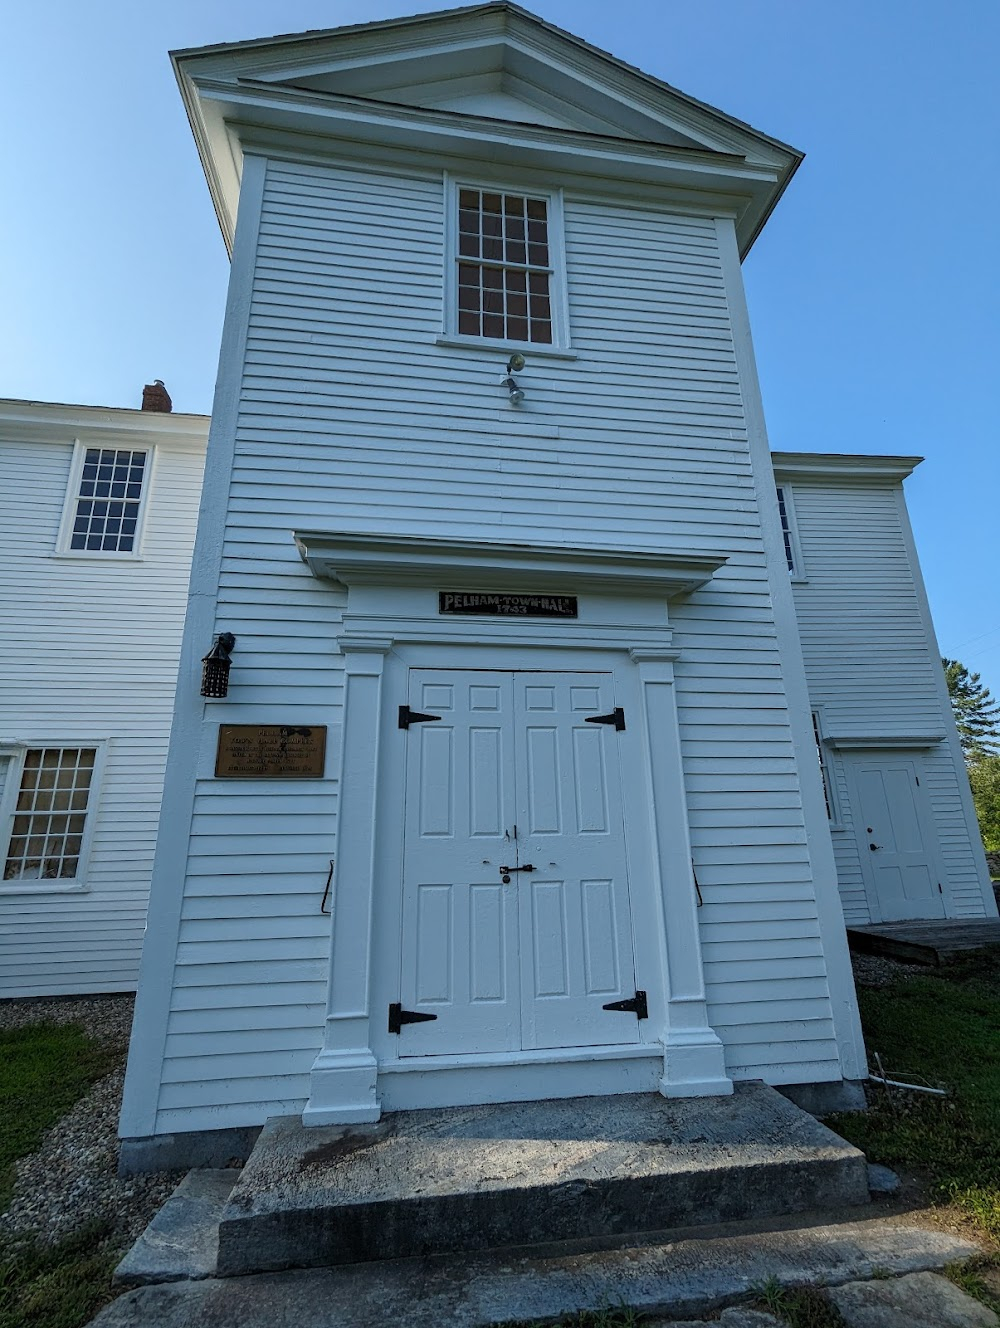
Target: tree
x,y
977,716
984,777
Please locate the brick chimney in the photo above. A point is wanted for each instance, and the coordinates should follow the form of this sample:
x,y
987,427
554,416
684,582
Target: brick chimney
x,y
156,397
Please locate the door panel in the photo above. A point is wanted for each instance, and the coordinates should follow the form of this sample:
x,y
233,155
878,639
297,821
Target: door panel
x,y
459,922
892,823
511,774
576,938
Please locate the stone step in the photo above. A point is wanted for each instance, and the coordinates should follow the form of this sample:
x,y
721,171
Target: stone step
x,y
681,1278
467,1179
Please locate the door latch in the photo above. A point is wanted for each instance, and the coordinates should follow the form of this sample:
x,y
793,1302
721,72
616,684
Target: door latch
x,y
506,871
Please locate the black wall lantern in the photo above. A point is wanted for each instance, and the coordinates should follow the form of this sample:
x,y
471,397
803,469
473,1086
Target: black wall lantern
x,y
215,666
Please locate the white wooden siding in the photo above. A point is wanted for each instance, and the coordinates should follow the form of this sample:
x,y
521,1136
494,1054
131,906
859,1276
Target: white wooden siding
x,y
89,653
352,419
870,667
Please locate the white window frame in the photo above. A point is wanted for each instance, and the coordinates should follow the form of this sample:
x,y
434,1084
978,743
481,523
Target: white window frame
x,y
16,753
63,547
797,571
560,346
827,770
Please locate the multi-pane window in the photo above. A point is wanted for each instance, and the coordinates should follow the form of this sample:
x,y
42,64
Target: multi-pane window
x,y
504,266
107,508
50,815
824,768
786,530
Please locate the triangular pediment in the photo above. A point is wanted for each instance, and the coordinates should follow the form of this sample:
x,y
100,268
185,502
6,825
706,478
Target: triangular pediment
x,y
496,68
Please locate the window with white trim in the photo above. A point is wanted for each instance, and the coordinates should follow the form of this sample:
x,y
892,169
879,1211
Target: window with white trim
x,y
824,768
790,533
786,529
110,487
50,814
505,273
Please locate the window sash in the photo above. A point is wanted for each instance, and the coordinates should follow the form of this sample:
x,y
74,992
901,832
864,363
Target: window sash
x,y
504,274
824,768
109,500
49,822
106,500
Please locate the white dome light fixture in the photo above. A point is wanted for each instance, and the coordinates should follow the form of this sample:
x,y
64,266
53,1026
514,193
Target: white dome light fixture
x,y
514,365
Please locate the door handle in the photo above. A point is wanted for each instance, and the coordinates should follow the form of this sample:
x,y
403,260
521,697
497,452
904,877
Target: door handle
x,y
874,847
505,871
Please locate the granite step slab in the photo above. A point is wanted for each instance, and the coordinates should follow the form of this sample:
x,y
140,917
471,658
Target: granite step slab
x,y
677,1279
464,1179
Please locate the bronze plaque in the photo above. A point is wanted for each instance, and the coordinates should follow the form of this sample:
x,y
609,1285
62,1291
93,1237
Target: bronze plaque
x,y
271,751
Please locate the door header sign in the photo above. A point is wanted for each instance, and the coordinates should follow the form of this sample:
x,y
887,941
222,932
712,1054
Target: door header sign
x,y
271,751
486,604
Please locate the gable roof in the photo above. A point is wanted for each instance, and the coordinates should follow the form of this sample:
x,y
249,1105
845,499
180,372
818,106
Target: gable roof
x,y
454,80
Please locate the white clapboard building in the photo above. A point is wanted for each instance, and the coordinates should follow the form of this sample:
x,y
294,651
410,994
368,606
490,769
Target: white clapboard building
x,y
903,825
514,792
98,509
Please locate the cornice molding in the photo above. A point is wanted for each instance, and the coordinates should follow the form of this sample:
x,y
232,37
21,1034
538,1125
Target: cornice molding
x,y
230,88
846,466
44,421
348,560
893,743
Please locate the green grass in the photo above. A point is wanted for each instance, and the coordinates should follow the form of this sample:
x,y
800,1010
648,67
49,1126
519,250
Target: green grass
x,y
979,1278
799,1307
44,1069
58,1286
945,1027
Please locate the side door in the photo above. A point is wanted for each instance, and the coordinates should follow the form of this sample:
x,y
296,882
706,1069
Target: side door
x,y
574,915
459,940
894,829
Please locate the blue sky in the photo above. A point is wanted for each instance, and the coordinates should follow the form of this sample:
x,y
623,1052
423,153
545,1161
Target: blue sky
x,y
874,289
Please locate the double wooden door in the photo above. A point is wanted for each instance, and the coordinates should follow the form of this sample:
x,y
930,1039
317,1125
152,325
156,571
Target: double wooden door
x,y
516,924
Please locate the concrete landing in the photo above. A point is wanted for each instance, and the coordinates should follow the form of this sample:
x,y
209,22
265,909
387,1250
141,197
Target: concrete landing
x,y
464,1179
679,1279
926,942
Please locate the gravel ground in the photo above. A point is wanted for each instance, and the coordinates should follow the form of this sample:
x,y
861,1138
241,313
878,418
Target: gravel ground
x,y
879,971
73,1178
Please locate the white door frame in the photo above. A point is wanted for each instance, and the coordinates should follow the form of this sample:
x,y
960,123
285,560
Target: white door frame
x,y
390,628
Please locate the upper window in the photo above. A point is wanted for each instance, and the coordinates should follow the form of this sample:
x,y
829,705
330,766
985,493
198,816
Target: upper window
x,y
506,269
50,815
108,500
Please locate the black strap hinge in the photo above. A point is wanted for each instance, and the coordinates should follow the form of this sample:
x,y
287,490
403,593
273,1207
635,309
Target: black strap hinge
x,y
636,1005
398,1017
617,717
408,717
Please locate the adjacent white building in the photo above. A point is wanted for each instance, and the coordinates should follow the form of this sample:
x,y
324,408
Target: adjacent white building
x,y
903,825
97,517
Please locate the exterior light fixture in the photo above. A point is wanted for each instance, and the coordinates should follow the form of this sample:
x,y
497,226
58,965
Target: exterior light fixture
x,y
215,666
514,365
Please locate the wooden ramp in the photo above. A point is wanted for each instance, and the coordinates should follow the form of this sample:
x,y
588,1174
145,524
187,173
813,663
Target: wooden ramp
x,y
936,941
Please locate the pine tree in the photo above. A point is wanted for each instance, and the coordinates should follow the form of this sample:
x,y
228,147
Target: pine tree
x,y
977,716
984,777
